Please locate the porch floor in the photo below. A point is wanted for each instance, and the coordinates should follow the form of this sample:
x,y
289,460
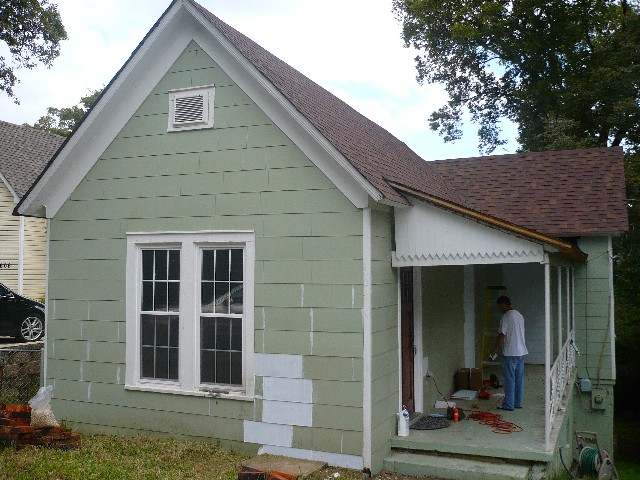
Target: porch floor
x,y
469,437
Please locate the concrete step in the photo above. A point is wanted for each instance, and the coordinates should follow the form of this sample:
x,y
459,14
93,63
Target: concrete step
x,y
454,467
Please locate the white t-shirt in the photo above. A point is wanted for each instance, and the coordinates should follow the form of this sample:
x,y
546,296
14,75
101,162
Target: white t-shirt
x,y
512,326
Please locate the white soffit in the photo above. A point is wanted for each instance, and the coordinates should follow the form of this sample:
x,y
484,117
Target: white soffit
x,y
135,82
429,236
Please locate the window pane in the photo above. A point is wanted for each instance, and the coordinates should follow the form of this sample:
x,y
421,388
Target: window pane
x,y
221,297
208,367
147,296
174,297
162,331
160,297
147,264
174,328
223,334
174,265
173,364
206,297
147,362
148,323
236,265
236,368
207,333
236,298
162,363
208,257
236,334
222,265
161,265
223,367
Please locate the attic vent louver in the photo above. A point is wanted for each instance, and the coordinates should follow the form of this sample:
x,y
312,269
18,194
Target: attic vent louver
x,y
191,108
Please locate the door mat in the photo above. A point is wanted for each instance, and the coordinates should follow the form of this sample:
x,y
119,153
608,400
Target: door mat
x,y
430,423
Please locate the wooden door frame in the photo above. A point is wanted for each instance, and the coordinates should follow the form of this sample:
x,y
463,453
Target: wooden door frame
x,y
419,362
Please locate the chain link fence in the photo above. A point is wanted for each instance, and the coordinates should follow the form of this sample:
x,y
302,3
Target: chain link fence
x,y
20,376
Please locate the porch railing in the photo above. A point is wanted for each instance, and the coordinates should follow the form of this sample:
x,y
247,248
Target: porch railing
x,y
559,378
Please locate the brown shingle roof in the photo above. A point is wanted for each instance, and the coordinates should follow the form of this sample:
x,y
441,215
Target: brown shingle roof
x,y
372,150
562,193
24,152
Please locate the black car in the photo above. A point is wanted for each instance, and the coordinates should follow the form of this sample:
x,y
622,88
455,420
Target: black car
x,y
20,317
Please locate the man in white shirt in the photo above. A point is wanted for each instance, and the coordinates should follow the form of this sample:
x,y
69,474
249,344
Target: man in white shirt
x,y
511,339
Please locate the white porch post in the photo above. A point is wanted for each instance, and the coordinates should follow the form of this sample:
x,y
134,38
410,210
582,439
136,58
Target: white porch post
x,y
547,350
569,299
560,341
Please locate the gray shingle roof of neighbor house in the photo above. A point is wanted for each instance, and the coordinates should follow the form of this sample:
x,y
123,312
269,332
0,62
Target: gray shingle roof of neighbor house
x,y
560,193
24,152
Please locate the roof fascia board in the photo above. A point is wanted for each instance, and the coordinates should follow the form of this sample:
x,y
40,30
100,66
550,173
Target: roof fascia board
x,y
16,198
301,131
551,244
118,103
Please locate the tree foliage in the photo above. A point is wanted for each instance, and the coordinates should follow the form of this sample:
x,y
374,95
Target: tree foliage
x,y
62,121
566,72
32,31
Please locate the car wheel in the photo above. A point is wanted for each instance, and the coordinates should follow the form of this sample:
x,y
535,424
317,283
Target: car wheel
x,y
32,328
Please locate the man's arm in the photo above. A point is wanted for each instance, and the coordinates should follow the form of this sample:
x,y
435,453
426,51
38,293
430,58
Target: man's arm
x,y
499,343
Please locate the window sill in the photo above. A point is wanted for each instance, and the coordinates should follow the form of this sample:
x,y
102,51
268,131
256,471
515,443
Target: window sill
x,y
229,395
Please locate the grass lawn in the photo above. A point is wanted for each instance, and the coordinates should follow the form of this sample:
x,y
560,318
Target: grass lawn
x,y
112,457
115,457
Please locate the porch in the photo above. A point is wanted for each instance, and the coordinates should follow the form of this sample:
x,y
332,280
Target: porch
x,y
468,449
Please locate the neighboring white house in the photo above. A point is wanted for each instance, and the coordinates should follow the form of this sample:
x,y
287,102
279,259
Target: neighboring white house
x,y
24,152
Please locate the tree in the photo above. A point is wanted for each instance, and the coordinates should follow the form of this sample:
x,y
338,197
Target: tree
x,y
566,72
627,288
32,31
62,121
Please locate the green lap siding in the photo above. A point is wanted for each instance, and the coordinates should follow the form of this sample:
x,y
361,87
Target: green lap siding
x,y
593,337
244,174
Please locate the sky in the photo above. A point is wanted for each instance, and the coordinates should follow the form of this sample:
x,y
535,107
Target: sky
x,y
353,48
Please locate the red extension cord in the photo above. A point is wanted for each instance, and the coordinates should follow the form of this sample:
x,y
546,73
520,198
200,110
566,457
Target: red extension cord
x,y
495,421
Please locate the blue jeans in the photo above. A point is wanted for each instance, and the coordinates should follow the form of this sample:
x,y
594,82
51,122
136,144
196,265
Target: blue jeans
x,y
513,370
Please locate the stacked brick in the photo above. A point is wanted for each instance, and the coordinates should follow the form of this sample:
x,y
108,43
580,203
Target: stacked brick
x,y
16,430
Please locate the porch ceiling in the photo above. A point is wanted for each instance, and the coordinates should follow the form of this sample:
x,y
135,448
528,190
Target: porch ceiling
x,y
427,235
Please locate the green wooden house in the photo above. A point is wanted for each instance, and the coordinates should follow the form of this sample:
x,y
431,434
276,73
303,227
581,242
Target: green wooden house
x,y
237,255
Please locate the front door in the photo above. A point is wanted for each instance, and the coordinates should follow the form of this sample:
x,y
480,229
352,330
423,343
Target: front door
x,y
406,335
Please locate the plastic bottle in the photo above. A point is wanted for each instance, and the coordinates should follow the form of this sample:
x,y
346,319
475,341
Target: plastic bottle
x,y
403,422
455,414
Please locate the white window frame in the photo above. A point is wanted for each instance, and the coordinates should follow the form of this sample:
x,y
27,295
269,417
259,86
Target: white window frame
x,y
190,245
206,121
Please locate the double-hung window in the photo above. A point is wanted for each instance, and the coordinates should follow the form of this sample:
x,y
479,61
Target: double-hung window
x,y
190,312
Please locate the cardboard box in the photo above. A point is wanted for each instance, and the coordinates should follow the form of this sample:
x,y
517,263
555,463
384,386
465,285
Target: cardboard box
x,y
475,379
462,379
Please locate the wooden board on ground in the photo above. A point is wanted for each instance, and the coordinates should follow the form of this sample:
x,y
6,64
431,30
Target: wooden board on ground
x,y
298,467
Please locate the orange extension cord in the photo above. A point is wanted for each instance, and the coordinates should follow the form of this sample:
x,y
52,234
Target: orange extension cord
x,y
495,421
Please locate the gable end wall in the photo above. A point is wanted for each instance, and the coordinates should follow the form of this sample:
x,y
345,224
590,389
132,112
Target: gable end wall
x,y
244,174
